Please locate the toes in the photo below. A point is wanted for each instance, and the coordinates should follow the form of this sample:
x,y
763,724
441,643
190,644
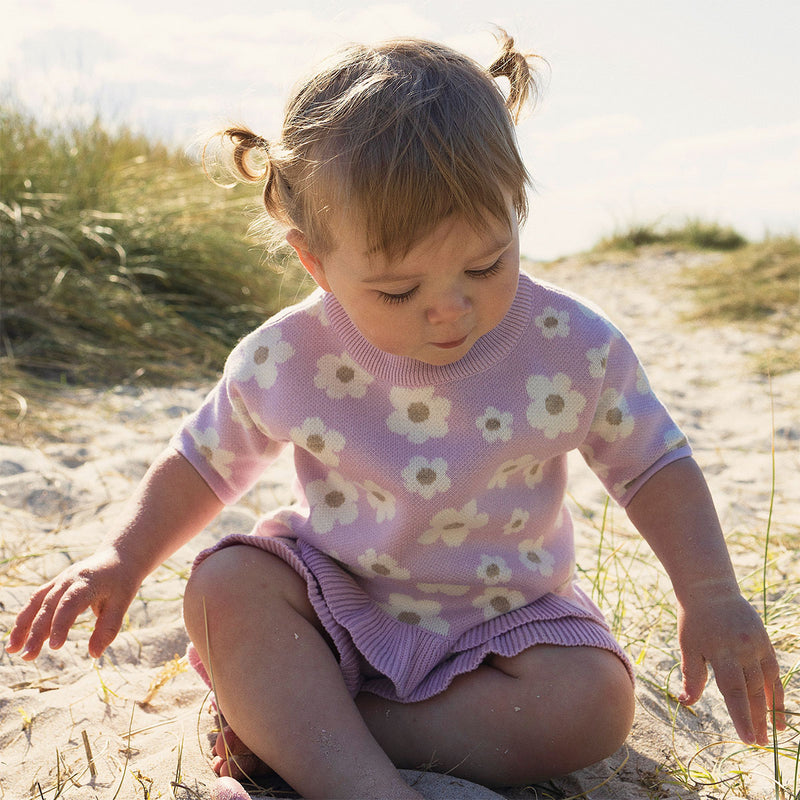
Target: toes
x,y
228,789
234,759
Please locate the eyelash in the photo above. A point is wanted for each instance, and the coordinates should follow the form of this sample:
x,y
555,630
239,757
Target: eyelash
x,y
397,299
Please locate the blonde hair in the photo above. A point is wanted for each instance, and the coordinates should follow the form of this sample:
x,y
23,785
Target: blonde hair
x,y
397,137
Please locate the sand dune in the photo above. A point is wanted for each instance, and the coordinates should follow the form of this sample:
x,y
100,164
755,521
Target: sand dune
x,y
59,494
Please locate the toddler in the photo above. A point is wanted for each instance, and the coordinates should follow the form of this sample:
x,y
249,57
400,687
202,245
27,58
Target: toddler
x,y
419,604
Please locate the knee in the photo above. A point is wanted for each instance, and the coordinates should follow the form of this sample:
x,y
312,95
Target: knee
x,y
218,585
232,581
588,718
614,707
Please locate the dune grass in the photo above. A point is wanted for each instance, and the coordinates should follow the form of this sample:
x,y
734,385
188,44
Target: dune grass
x,y
692,233
752,284
636,598
121,262
757,286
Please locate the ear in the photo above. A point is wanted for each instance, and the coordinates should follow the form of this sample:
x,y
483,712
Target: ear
x,y
312,263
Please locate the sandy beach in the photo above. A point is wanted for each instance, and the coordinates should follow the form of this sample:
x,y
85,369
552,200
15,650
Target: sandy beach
x,y
137,724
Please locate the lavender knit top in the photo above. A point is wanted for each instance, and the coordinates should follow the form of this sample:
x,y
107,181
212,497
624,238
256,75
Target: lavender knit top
x,y
431,527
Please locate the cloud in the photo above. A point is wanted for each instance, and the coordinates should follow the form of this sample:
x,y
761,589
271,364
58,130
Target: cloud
x,y
593,129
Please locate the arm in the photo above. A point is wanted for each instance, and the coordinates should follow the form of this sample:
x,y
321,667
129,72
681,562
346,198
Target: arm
x,y
171,505
674,512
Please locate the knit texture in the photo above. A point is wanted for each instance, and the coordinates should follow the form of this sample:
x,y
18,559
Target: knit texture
x,y
430,525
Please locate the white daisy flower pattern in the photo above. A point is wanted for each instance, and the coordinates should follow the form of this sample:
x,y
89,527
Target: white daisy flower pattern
x,y
674,440
535,557
426,477
207,444
532,474
519,519
382,501
323,443
453,526
333,501
598,360
423,613
382,565
340,377
510,468
318,310
240,414
553,323
555,404
495,425
613,419
599,469
493,570
265,353
499,600
418,415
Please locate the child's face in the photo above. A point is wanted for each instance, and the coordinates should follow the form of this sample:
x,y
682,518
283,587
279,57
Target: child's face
x,y
452,287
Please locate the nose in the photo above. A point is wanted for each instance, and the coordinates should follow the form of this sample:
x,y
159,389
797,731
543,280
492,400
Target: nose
x,y
449,306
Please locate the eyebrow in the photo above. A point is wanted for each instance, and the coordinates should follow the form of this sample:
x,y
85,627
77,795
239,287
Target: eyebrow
x,y
497,247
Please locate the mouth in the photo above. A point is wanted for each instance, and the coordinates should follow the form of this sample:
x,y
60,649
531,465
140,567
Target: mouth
x,y
450,345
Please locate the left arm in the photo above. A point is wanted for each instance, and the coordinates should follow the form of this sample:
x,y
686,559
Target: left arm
x,y
675,514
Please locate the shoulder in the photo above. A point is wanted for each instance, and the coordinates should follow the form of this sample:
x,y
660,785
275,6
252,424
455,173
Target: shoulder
x,y
561,315
283,336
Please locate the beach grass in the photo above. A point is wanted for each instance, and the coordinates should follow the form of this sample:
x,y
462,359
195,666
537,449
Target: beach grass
x,y
691,233
757,287
121,262
634,593
752,284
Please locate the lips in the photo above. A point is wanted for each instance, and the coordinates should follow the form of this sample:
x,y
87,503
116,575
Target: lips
x,y
451,345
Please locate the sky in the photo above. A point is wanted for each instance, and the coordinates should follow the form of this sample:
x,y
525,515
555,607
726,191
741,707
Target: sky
x,y
650,110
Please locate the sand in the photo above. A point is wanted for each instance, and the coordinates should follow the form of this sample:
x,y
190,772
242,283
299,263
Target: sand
x,y
136,723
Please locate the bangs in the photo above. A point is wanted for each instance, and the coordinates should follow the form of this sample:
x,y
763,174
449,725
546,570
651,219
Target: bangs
x,y
411,145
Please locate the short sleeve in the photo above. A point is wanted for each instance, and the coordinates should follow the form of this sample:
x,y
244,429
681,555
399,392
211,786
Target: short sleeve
x,y
228,440
632,435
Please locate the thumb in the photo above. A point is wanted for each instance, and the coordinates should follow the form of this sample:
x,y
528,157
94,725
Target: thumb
x,y
109,622
695,675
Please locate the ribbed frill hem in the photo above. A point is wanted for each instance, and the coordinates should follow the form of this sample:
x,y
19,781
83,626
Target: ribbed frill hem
x,y
406,663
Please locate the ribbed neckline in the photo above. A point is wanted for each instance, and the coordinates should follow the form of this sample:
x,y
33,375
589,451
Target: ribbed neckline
x,y
404,371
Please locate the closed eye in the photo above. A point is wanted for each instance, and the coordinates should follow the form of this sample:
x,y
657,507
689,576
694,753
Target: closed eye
x,y
396,299
486,273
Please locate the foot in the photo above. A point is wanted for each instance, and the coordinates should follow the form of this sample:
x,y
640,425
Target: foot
x,y
228,789
237,760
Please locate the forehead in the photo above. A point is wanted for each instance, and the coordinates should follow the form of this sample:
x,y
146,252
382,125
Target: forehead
x,y
453,240
480,228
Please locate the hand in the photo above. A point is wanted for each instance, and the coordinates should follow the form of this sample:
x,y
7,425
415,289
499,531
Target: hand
x,y
726,632
102,581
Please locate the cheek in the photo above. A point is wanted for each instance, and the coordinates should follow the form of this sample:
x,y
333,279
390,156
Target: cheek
x,y
504,296
381,327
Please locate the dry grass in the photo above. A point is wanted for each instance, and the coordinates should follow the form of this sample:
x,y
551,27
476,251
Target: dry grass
x,y
121,263
757,286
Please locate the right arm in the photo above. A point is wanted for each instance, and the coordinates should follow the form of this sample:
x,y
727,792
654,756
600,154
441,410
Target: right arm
x,y
171,505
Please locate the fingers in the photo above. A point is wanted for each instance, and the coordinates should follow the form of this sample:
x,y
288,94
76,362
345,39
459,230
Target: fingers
x,y
108,625
24,621
45,617
51,612
695,675
750,694
773,688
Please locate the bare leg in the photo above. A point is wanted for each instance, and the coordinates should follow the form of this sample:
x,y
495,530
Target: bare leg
x,y
543,713
277,681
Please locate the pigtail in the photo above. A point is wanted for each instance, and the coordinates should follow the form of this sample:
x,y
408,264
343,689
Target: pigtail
x,y
515,65
245,141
